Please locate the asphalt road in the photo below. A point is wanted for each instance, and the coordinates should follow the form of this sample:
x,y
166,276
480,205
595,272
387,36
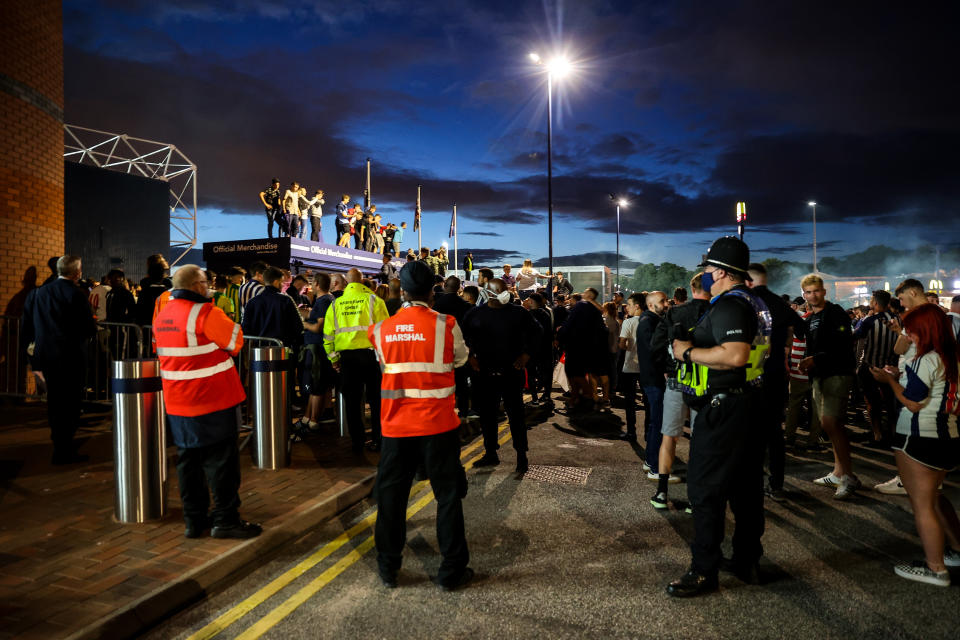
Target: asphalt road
x,y
574,550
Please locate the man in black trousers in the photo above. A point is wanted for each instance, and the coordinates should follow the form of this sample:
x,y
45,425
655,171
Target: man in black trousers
x,y
501,337
58,321
786,324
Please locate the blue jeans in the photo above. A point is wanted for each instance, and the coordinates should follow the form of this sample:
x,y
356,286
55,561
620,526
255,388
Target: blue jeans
x,y
653,436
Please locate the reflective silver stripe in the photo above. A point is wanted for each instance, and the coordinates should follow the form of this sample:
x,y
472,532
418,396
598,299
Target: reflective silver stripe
x,y
417,367
233,338
328,336
393,394
373,305
187,351
340,330
192,324
440,339
378,346
206,372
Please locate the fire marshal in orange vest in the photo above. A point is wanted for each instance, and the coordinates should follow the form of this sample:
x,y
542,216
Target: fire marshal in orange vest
x,y
418,350
202,395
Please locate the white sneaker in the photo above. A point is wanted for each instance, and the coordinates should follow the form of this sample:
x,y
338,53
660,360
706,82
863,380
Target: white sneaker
x,y
656,477
848,486
828,480
951,558
646,468
892,487
920,572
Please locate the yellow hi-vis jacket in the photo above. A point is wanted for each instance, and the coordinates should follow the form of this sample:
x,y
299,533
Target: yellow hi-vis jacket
x,y
348,318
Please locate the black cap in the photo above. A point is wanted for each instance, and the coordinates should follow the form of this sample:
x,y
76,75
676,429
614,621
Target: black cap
x,y
416,278
729,252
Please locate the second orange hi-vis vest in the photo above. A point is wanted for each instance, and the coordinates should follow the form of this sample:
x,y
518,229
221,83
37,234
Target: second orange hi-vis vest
x,y
415,349
194,343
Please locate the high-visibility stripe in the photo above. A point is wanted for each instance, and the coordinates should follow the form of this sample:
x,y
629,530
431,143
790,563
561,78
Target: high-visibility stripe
x,y
188,351
233,338
193,374
393,394
378,345
440,339
328,336
349,330
373,305
417,367
192,324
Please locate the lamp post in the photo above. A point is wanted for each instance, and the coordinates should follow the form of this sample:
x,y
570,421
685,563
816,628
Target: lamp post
x,y
620,203
558,67
741,218
814,205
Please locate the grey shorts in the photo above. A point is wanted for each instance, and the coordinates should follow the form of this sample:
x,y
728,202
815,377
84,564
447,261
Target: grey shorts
x,y
830,395
675,411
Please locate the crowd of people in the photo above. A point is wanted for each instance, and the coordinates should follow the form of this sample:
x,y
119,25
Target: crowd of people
x,y
290,210
732,366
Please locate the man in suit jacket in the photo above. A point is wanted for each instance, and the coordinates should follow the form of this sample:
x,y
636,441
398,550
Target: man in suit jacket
x,y
58,321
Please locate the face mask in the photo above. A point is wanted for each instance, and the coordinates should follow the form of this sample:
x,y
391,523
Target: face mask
x,y
503,298
706,281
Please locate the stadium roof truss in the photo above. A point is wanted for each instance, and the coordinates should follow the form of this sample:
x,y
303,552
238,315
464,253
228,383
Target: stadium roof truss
x,y
147,158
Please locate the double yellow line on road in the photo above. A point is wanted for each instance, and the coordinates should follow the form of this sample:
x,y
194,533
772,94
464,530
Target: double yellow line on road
x,y
274,586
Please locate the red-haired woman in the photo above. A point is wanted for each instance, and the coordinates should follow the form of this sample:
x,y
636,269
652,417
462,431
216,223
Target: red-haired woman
x,y
927,440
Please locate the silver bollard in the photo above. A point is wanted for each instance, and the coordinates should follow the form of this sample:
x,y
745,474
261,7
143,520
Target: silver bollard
x,y
139,441
341,413
268,370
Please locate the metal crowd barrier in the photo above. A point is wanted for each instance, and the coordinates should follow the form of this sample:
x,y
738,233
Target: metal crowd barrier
x,y
113,341
16,376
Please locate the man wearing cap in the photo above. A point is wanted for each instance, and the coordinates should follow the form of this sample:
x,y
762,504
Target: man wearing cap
x,y
418,350
725,353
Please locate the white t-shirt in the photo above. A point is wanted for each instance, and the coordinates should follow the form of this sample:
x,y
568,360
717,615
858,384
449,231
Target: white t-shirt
x,y
291,201
924,381
628,330
527,281
98,301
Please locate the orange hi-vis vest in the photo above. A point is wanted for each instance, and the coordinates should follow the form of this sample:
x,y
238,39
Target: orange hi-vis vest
x,y
415,349
194,343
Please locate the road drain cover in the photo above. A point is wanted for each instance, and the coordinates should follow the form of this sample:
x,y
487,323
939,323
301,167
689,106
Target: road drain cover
x,y
557,475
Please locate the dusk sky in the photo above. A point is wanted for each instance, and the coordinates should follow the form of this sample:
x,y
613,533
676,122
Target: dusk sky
x,y
682,108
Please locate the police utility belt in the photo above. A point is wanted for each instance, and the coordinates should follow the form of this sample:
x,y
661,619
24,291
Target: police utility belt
x,y
693,379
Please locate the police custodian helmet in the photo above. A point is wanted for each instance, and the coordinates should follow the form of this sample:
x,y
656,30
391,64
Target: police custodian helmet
x,y
729,252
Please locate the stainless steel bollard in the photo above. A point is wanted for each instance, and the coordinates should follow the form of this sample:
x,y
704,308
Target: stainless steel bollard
x,y
268,370
341,413
139,441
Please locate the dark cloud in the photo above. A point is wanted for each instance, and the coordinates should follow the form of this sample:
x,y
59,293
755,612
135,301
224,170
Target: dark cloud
x,y
482,233
591,258
491,257
793,248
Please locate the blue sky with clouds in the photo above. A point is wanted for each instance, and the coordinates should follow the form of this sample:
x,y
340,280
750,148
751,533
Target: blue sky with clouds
x,y
683,108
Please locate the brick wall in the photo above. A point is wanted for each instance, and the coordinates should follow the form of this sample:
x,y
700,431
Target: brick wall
x,y
31,145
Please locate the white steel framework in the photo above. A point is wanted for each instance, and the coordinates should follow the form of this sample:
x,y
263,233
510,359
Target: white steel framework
x,y
150,159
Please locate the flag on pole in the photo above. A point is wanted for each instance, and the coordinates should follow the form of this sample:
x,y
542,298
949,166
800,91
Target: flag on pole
x,y
416,213
453,223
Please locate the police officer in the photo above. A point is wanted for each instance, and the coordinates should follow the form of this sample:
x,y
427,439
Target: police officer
x,y
418,350
725,357
351,354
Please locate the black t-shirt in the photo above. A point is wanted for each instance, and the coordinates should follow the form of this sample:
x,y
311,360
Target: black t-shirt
x,y
272,196
498,336
730,319
783,318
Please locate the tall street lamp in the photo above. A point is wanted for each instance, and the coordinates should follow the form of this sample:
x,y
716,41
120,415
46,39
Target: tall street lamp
x,y
814,205
620,203
556,68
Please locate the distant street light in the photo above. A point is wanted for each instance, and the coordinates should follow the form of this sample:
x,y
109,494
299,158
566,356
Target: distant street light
x,y
814,205
620,203
741,217
558,67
